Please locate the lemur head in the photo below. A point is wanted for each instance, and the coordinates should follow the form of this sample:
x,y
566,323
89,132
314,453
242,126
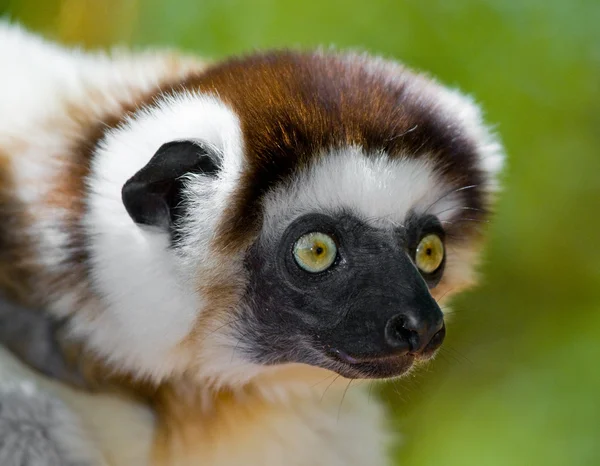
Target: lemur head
x,y
287,208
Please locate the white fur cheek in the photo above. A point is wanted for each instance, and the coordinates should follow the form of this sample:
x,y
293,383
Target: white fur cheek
x,y
147,310
148,292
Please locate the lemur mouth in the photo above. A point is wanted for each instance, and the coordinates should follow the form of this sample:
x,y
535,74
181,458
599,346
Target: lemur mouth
x,y
370,368
379,367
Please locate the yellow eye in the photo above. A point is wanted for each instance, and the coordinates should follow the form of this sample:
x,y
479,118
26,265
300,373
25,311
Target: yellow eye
x,y
430,253
315,252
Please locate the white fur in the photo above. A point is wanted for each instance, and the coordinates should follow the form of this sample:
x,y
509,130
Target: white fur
x,y
145,285
43,75
378,189
462,108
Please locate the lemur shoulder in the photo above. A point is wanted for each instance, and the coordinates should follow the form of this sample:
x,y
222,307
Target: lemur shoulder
x,y
228,245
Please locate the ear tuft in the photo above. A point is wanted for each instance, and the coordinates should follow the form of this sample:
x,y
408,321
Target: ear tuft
x,y
153,194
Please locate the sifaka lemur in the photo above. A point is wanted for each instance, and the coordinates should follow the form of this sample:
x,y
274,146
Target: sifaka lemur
x,y
221,248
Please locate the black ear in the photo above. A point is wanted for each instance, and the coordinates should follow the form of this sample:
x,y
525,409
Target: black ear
x,y
153,195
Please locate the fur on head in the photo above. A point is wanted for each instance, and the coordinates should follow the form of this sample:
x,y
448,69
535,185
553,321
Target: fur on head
x,y
196,204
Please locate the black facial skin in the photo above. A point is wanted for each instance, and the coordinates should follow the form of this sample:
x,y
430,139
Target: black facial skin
x,y
367,316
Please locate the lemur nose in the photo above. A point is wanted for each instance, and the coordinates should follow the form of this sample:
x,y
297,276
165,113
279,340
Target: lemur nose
x,y
407,334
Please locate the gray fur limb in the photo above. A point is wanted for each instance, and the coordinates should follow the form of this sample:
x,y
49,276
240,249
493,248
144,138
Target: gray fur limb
x,y
31,335
34,429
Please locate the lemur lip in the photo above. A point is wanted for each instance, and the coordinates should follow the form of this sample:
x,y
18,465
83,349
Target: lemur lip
x,y
372,360
372,368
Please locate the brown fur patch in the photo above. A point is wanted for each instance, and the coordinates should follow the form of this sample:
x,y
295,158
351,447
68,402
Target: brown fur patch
x,y
16,268
195,426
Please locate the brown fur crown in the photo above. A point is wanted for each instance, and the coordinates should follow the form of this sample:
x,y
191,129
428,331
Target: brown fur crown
x,y
293,106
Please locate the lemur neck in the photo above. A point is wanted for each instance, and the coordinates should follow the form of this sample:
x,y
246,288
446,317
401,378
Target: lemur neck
x,y
201,426
197,423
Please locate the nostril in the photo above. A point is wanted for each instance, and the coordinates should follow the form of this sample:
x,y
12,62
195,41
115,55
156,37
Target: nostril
x,y
399,336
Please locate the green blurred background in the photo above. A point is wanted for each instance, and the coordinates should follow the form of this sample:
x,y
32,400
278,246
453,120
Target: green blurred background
x,y
518,382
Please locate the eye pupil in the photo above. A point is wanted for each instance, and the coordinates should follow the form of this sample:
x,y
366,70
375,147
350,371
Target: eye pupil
x,y
430,253
319,250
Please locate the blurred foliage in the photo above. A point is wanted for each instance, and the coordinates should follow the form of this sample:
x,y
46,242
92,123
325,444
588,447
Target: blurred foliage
x,y
519,381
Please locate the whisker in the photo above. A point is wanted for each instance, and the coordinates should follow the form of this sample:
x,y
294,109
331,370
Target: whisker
x,y
342,400
325,391
465,219
442,297
233,321
402,134
463,188
456,354
239,340
350,298
460,208
370,390
320,382
398,392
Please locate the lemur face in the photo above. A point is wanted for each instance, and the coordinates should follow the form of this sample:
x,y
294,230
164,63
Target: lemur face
x,y
341,293
352,255
318,207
